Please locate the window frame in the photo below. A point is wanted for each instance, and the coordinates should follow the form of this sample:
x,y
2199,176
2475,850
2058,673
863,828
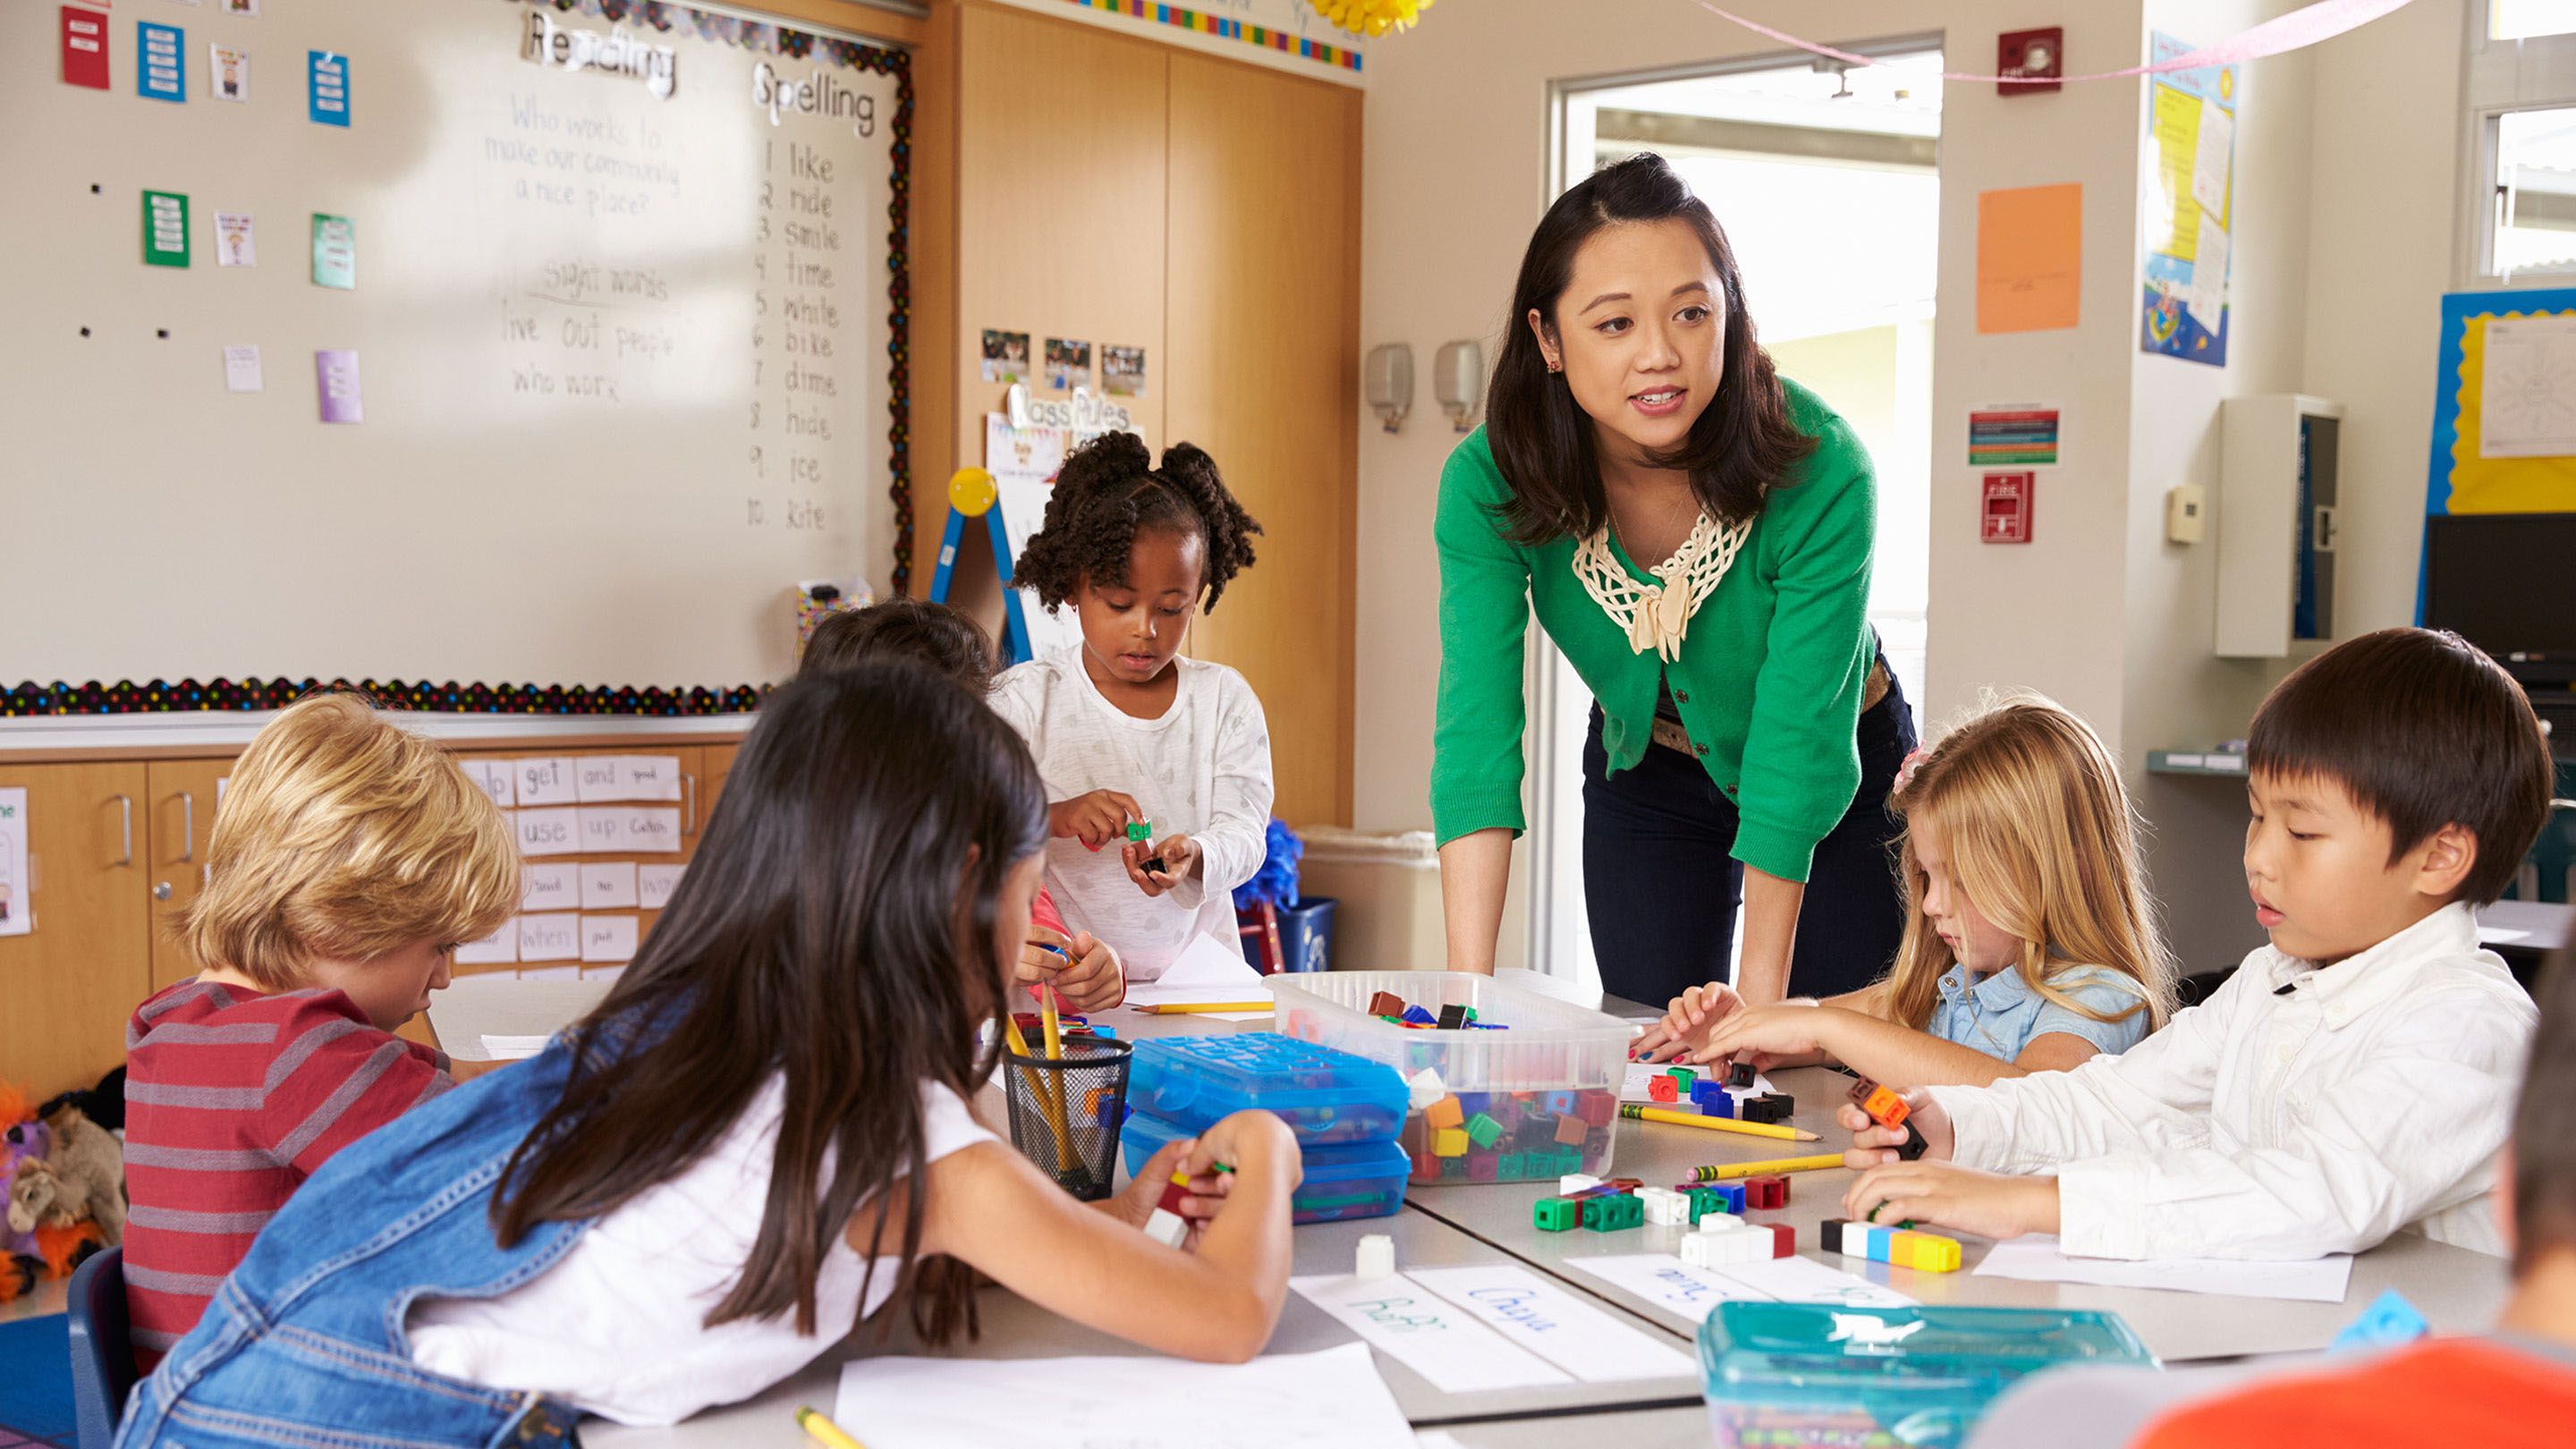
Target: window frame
x,y
2499,77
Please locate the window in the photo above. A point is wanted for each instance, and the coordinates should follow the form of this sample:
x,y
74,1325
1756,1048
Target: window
x,y
2518,212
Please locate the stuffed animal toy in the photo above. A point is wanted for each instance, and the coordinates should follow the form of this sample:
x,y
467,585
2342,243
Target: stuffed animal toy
x,y
81,1175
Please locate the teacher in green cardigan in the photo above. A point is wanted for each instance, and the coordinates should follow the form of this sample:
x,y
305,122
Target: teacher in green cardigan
x,y
1695,534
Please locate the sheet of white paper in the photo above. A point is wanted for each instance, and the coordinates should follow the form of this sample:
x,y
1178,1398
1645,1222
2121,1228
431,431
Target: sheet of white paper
x,y
595,778
500,947
1328,1400
554,831
2206,298
1632,1088
1206,970
241,369
607,885
2037,1260
17,913
512,1048
550,937
654,884
2526,409
1559,1326
1688,1293
652,830
2211,159
554,886
1451,1349
608,938
547,780
496,778
648,777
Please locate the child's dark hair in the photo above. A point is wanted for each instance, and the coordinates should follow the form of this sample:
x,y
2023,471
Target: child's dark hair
x,y
2544,1125
2423,731
836,928
1108,492
933,635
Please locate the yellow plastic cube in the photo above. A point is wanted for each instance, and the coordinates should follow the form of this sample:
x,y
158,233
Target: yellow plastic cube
x,y
1445,1113
1924,1252
1449,1142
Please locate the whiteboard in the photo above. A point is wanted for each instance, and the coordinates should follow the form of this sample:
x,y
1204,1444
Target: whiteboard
x,y
626,361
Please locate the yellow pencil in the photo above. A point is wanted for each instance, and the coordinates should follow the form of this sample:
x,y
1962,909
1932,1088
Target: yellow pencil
x,y
1171,1008
1719,1172
1040,1088
1639,1112
824,1431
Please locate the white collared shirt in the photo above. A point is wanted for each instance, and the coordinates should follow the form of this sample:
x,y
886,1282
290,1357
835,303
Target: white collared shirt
x,y
2371,1095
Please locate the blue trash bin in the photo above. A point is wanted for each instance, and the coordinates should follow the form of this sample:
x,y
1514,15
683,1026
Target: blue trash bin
x,y
1306,934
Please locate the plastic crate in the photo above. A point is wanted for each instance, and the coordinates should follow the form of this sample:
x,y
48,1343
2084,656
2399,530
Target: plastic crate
x,y
1326,1097
1555,1061
1791,1375
1362,1180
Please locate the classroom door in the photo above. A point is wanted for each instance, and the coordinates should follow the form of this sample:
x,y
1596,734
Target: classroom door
x,y
179,823
68,985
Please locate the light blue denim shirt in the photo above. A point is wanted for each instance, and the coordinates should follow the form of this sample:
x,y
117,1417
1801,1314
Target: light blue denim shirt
x,y
2001,1014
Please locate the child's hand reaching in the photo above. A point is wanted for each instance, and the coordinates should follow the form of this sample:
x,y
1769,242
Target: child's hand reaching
x,y
1081,970
1791,1032
1874,1146
1944,1194
1207,1189
1094,819
1686,1022
1179,855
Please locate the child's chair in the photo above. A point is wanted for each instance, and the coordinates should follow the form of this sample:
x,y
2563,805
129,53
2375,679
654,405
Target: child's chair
x,y
102,1347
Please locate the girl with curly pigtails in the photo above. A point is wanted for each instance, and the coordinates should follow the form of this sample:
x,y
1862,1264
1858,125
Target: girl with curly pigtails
x,y
1127,731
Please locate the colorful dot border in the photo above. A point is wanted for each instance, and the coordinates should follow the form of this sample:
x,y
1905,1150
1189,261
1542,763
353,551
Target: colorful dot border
x,y
1338,57
33,700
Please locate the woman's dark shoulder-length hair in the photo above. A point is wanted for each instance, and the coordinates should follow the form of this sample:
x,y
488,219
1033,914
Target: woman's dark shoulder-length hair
x,y
1542,439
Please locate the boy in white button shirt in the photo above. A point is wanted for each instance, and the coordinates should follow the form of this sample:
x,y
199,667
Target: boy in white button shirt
x,y
2352,1078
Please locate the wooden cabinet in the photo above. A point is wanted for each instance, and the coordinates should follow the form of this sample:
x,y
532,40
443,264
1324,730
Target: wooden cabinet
x,y
67,987
179,823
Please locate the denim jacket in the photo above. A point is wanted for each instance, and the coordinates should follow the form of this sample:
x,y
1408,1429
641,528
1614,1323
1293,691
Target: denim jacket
x,y
304,1344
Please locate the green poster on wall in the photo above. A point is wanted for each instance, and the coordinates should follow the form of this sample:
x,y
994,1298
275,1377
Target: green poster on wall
x,y
165,229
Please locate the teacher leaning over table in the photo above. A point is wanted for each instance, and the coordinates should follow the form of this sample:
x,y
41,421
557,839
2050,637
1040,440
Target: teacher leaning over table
x,y
1695,534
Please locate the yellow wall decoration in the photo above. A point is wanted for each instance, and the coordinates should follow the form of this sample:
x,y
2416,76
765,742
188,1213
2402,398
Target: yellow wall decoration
x,y
1371,17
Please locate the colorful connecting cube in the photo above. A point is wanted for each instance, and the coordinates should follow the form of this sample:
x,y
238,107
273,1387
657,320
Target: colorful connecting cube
x,y
1774,1107
1925,1252
1574,1182
1449,1142
1665,1207
1683,1077
1712,1100
1662,1088
1610,1212
1386,1003
1453,1018
1445,1113
1484,1131
1764,1193
1784,1239
1597,1109
1556,1214
1570,1130
1482,1166
1420,1017
1740,1076
1889,1110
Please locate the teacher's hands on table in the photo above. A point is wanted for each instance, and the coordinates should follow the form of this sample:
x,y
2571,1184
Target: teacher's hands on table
x,y
1080,969
1944,1194
1686,1022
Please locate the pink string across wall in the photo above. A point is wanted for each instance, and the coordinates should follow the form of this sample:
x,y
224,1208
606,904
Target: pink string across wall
x,y
2302,27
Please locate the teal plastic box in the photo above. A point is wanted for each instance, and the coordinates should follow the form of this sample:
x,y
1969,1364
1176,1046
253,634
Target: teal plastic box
x,y
1328,1098
1361,1180
1792,1375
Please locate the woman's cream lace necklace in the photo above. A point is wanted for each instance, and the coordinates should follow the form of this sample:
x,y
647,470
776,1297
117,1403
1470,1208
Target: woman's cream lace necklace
x,y
1656,616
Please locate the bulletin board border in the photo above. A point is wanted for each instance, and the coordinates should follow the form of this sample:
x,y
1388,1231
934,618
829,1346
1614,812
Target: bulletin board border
x,y
30,698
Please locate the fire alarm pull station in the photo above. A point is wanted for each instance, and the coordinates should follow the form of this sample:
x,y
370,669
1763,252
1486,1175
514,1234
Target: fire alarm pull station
x,y
2034,58
2005,515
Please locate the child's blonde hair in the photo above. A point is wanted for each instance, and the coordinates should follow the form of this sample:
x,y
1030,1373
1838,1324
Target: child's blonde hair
x,y
343,836
2043,841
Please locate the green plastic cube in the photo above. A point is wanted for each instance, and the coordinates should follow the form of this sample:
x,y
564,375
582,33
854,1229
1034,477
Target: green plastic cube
x,y
1512,1165
1140,830
1555,1214
1484,1131
1683,1077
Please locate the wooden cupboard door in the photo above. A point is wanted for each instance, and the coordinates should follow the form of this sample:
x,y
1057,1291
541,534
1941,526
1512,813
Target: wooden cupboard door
x,y
1260,369
178,822
68,986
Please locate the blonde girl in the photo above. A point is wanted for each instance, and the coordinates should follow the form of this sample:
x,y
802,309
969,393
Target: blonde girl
x,y
2029,943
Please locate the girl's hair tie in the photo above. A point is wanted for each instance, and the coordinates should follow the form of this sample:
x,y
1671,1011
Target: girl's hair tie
x,y
1905,772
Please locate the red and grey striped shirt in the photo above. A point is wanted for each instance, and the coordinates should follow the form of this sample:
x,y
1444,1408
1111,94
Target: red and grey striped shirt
x,y
233,1098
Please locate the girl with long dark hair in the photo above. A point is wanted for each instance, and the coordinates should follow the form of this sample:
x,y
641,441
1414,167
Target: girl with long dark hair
x,y
746,1149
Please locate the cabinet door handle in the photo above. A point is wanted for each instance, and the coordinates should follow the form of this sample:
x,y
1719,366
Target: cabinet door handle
x,y
689,786
125,810
188,804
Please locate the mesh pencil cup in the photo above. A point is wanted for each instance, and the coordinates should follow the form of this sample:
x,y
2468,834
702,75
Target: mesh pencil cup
x,y
1065,1114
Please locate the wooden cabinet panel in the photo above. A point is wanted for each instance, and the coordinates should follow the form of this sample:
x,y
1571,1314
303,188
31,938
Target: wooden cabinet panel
x,y
1261,369
67,988
179,812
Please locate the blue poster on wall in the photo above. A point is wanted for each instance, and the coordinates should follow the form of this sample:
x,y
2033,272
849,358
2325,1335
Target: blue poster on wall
x,y
160,64
327,88
2189,215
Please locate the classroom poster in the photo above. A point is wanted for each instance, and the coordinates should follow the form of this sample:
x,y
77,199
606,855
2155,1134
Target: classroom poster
x,y
335,373
326,88
235,246
2504,433
228,73
335,252
241,369
165,229
2030,258
2190,211
160,64
84,48
17,917
2023,434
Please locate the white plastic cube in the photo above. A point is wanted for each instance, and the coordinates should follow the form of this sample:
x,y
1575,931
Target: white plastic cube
x,y
1575,1182
1376,1256
1720,1222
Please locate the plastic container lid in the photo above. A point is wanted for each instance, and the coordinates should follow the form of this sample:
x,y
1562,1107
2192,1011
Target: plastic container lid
x,y
1326,1097
1360,1180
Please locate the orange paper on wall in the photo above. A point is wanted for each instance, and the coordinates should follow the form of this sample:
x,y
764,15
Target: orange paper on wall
x,y
2030,254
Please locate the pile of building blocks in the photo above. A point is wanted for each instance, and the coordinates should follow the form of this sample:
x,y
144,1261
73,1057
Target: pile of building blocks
x,y
1888,1110
1394,1010
1724,1238
1682,1089
1626,1202
1923,1252
1508,1136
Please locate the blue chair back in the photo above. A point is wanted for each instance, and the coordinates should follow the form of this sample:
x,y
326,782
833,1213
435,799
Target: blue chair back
x,y
102,1347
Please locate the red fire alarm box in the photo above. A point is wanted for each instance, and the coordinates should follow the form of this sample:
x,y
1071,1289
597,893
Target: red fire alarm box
x,y
2005,513
2034,58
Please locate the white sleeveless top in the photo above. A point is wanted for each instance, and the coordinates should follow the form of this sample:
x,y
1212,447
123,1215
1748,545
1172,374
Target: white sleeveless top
x,y
618,1327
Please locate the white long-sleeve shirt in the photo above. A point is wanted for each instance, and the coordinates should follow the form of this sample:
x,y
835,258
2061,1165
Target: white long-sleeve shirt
x,y
1202,769
2272,1123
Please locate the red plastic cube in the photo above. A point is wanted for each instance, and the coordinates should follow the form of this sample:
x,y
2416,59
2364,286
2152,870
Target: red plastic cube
x,y
1662,1088
1766,1192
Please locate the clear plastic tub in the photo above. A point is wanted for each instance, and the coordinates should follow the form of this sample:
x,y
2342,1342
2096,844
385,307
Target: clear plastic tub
x,y
1792,1375
1363,1180
1326,1097
1546,1090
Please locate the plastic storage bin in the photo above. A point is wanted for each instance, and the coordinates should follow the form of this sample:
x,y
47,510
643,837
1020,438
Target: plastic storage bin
x,y
1326,1097
1364,1180
1528,1104
1789,1375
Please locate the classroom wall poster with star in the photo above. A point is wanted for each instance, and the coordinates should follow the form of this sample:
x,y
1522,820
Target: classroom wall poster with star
x,y
2190,215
